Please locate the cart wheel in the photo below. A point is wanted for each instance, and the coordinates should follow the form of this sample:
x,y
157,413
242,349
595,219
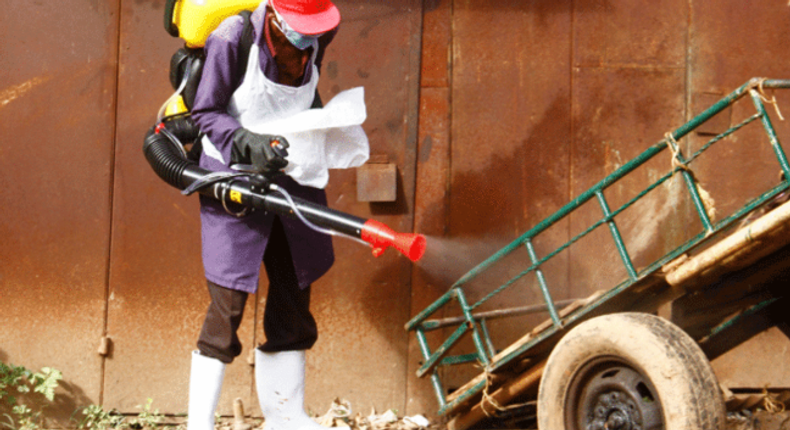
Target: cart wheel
x,y
629,371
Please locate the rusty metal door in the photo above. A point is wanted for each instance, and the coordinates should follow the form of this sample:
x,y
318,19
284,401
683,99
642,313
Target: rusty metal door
x,y
57,122
629,74
494,142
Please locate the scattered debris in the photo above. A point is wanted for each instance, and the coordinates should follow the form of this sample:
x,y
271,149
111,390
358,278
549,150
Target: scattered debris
x,y
759,420
769,401
339,416
757,410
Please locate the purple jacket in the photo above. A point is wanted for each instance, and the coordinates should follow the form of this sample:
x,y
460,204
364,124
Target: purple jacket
x,y
233,247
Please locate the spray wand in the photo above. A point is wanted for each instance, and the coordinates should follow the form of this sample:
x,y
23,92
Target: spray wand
x,y
166,155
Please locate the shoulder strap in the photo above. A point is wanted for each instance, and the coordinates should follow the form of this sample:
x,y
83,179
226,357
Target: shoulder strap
x,y
246,41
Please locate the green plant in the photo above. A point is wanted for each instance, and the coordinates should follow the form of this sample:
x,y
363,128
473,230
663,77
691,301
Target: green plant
x,y
146,418
16,380
96,418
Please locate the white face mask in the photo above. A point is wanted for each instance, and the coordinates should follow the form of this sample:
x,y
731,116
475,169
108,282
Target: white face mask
x,y
299,40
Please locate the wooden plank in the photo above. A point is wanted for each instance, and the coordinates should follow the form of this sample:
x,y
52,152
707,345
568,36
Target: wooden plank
x,y
738,250
527,381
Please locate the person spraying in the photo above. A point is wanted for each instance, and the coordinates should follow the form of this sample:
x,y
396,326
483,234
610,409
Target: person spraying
x,y
258,74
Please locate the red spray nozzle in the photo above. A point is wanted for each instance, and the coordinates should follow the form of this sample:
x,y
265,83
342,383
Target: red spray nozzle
x,y
380,237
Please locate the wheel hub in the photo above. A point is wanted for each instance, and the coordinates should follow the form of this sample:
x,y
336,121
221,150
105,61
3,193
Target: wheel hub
x,y
609,394
615,411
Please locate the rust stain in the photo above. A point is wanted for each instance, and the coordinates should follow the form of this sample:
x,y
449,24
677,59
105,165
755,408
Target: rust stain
x,y
14,92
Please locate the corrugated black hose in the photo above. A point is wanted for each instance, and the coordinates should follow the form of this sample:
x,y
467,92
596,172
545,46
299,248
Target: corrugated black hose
x,y
165,152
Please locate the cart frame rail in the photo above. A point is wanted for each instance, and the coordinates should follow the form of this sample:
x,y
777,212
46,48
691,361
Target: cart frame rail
x,y
475,323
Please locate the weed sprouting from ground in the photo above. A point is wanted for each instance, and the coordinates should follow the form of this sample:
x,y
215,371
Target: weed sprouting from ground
x,y
97,418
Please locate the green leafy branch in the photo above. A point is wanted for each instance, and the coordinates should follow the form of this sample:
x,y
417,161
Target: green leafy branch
x,y
16,380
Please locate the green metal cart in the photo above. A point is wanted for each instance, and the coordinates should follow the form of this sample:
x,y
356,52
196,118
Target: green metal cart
x,y
607,361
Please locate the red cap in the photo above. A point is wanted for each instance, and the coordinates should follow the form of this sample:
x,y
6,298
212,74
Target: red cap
x,y
308,16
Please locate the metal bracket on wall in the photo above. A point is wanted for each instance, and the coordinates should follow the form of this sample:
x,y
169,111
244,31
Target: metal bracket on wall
x,y
105,346
377,180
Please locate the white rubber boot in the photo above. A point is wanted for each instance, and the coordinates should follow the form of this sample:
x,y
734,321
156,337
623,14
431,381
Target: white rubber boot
x,y
279,380
205,383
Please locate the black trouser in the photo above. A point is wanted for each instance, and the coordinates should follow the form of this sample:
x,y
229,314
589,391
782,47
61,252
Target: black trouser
x,y
287,321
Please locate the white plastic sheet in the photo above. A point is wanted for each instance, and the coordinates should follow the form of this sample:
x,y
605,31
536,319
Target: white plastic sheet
x,y
322,139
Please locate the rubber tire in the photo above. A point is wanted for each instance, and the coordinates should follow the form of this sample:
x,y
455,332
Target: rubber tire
x,y
663,353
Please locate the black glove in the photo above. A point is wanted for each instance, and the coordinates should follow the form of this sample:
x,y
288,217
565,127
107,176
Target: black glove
x,y
266,153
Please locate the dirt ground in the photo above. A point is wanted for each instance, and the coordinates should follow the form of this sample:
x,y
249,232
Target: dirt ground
x,y
751,415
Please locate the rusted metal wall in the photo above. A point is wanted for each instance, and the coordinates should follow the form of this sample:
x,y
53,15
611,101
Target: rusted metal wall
x,y
510,136
430,278
728,42
157,294
628,90
519,106
546,98
57,121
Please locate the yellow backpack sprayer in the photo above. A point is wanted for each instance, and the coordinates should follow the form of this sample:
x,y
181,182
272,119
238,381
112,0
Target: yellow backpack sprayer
x,y
193,21
164,145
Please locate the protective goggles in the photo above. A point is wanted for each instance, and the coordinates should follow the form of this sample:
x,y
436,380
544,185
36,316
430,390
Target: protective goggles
x,y
299,40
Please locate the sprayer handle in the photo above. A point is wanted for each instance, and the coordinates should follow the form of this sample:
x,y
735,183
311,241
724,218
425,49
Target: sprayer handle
x,y
246,168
